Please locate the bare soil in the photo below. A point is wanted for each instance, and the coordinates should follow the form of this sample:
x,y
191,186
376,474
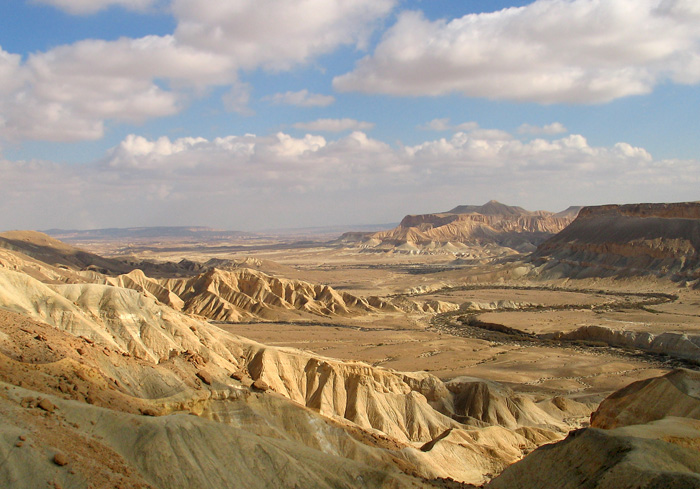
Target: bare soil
x,y
412,342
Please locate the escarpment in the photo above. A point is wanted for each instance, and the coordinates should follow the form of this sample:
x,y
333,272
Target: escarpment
x,y
626,240
466,226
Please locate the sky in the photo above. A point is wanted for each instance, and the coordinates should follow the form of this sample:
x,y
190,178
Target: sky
x,y
261,114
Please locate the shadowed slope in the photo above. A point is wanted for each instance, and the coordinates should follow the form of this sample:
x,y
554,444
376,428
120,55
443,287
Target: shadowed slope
x,y
626,240
675,394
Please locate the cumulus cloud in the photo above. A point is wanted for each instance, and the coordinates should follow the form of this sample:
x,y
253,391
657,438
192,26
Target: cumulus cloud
x,y
472,128
276,35
282,180
334,125
81,7
69,92
302,98
553,128
551,51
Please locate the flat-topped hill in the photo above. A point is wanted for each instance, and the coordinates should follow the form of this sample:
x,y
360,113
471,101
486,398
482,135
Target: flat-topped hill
x,y
635,239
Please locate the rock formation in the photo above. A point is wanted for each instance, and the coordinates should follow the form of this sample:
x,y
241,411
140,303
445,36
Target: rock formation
x,y
237,291
626,240
122,354
106,382
246,294
679,345
652,440
675,394
465,226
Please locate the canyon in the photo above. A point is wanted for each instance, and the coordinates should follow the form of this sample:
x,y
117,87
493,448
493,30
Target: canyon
x,y
569,340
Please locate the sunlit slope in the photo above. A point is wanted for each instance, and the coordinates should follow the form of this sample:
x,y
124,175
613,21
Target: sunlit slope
x,y
464,227
169,362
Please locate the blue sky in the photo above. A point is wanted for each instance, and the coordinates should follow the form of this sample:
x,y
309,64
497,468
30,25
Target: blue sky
x,y
246,114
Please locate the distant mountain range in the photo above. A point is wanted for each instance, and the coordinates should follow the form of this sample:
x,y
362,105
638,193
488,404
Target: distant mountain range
x,y
467,226
205,234
199,232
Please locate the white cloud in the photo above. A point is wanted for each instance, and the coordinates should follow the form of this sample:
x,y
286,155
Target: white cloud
x,y
69,92
302,98
10,74
81,7
281,180
139,152
442,124
490,135
553,128
573,51
334,125
273,34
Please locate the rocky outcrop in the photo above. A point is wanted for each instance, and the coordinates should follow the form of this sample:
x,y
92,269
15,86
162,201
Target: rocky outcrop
x,y
650,440
626,240
675,394
463,227
225,291
243,293
678,345
493,403
601,459
124,348
501,305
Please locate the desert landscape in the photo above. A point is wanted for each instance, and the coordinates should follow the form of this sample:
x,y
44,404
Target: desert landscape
x,y
486,346
340,244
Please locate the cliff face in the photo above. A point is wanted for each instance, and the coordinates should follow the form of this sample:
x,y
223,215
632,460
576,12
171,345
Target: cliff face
x,y
636,239
679,210
491,223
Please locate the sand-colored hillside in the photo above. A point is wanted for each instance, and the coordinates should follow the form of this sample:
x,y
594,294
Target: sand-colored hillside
x,y
243,293
135,351
458,230
675,394
654,442
57,253
185,355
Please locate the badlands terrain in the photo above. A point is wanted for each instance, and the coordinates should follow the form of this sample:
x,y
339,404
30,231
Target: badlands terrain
x,y
483,346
